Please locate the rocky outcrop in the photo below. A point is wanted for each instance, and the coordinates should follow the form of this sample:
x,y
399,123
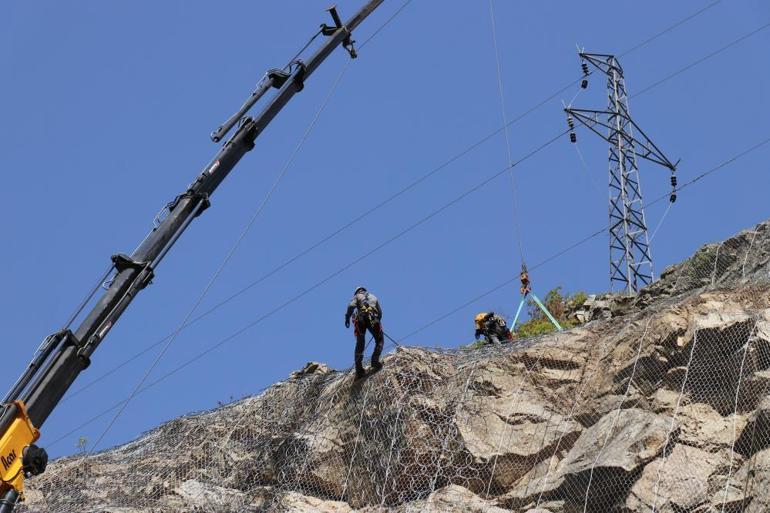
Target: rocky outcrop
x,y
660,402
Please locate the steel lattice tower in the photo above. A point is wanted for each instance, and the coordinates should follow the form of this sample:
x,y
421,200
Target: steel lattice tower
x,y
630,256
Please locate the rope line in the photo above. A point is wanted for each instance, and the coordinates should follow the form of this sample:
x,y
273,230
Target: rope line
x,y
660,222
617,414
355,445
746,348
516,222
673,422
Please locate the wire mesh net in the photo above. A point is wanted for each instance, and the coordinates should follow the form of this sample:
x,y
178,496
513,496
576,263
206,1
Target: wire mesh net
x,y
658,403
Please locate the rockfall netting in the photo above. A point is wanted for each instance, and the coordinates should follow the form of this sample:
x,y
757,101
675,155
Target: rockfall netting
x,y
658,403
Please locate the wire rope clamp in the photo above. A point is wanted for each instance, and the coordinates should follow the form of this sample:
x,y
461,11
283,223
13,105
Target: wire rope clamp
x,y
19,457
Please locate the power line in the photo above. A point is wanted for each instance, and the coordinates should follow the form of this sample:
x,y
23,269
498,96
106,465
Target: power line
x,y
399,193
670,28
702,59
385,24
585,239
432,322
345,267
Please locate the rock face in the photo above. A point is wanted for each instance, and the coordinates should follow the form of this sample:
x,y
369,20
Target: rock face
x,y
660,402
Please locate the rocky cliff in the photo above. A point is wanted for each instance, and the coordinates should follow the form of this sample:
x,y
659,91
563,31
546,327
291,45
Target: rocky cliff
x,y
659,402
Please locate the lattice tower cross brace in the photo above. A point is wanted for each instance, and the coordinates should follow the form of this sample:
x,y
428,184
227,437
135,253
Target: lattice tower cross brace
x,y
631,263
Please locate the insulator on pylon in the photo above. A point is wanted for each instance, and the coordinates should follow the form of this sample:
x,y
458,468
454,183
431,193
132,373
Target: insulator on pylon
x,y
572,137
570,122
584,84
584,66
672,198
673,180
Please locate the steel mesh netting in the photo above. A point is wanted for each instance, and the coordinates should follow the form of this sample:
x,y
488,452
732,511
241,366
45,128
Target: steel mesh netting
x,y
662,405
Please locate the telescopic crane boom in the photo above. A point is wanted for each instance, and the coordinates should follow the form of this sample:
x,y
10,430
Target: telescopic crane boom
x,y
65,354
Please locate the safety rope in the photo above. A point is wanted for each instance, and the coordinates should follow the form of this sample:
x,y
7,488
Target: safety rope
x,y
617,413
355,444
446,436
401,402
746,348
664,459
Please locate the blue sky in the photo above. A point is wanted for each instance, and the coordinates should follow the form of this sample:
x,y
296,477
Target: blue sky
x,y
106,110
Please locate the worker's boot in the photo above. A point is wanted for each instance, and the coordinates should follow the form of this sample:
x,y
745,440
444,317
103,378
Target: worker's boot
x,y
379,343
360,372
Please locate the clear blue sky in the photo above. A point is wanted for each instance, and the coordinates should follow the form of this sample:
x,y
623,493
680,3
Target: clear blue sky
x,y
106,109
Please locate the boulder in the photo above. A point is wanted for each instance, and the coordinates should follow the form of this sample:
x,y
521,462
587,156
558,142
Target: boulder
x,y
312,368
753,477
625,439
703,427
294,502
512,433
674,483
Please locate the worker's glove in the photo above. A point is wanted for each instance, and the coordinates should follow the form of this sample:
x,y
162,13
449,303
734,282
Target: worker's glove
x,y
347,322
478,334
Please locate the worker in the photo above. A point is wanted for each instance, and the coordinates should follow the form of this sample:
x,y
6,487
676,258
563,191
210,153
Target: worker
x,y
493,328
367,315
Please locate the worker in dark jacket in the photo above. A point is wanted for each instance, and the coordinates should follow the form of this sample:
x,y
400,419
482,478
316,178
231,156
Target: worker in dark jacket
x,y
367,314
492,327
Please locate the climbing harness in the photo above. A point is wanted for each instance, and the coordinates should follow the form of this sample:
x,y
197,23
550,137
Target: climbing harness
x,y
366,311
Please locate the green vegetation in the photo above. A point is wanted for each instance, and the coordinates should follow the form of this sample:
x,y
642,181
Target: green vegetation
x,y
702,262
559,305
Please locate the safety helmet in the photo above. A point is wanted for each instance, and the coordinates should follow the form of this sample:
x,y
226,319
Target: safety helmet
x,y
480,317
359,289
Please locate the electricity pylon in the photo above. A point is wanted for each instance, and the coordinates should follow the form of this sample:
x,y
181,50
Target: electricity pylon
x,y
630,256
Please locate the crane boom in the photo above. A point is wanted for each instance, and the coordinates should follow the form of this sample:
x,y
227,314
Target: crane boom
x,y
65,354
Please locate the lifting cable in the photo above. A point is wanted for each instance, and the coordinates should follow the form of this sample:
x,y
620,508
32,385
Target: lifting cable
x,y
500,88
429,324
229,255
526,288
410,186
